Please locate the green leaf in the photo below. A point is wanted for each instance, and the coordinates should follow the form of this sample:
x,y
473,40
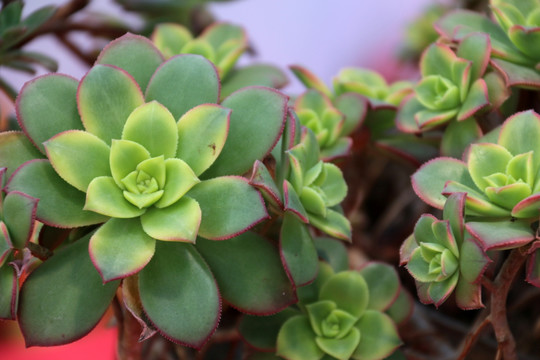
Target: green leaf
x,y
249,272
486,159
263,181
429,180
355,108
261,332
341,348
310,80
183,82
152,126
334,224
180,179
477,99
292,203
333,252
170,38
476,48
64,298
453,212
458,135
60,204
468,295
439,291
47,106
124,158
334,186
253,75
190,312
120,248
402,308
105,197
348,290
473,260
525,126
202,132
518,75
419,268
501,235
296,340
257,119
525,39
297,250
177,222
78,157
383,284
19,216
379,336
406,115
106,97
9,292
229,206
121,52
438,60
15,149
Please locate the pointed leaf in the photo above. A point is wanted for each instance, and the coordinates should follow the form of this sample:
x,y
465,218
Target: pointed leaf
x,y
124,157
60,204
202,134
341,348
477,99
9,292
468,295
437,59
121,52
78,157
190,312
292,203
379,336
355,108
439,291
63,285
47,106
106,96
152,126
180,179
310,80
383,284
334,224
19,216
473,261
257,120
454,212
132,302
486,159
229,207
429,180
296,340
526,126
298,253
476,48
528,207
517,75
249,272
183,82
177,222
120,248
263,181
104,197
501,235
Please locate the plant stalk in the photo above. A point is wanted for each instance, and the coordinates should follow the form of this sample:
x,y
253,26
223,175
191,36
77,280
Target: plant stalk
x,y
129,331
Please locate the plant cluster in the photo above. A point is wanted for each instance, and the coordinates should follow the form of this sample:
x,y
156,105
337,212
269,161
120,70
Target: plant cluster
x,y
197,198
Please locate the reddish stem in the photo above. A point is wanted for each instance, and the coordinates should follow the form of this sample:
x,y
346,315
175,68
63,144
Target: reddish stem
x,y
129,332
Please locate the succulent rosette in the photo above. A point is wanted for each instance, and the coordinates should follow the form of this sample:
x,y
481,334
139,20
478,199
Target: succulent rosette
x,y
500,179
142,148
340,317
222,44
514,37
443,257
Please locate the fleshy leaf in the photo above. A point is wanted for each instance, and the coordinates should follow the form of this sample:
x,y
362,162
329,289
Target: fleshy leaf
x,y
229,207
379,336
46,106
406,115
120,248
501,235
517,75
476,48
468,295
60,204
527,208
341,348
477,99
15,149
152,126
334,186
253,75
348,290
132,302
454,212
78,157
310,80
296,340
257,120
104,197
438,60
383,284
333,252
262,180
428,181
124,157
106,96
249,272
355,108
402,308
64,284
334,224
190,312
19,216
458,135
9,292
180,179
298,253
526,126
183,82
473,260
486,159
202,132
170,38
177,222
439,291
261,332
121,52
292,203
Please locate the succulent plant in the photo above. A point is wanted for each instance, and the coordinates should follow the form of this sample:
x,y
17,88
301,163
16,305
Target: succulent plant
x,y
144,150
442,257
500,179
513,37
340,317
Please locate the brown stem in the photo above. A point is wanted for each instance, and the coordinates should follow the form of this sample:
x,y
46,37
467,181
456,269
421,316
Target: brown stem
x,y
87,59
473,335
505,339
129,331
